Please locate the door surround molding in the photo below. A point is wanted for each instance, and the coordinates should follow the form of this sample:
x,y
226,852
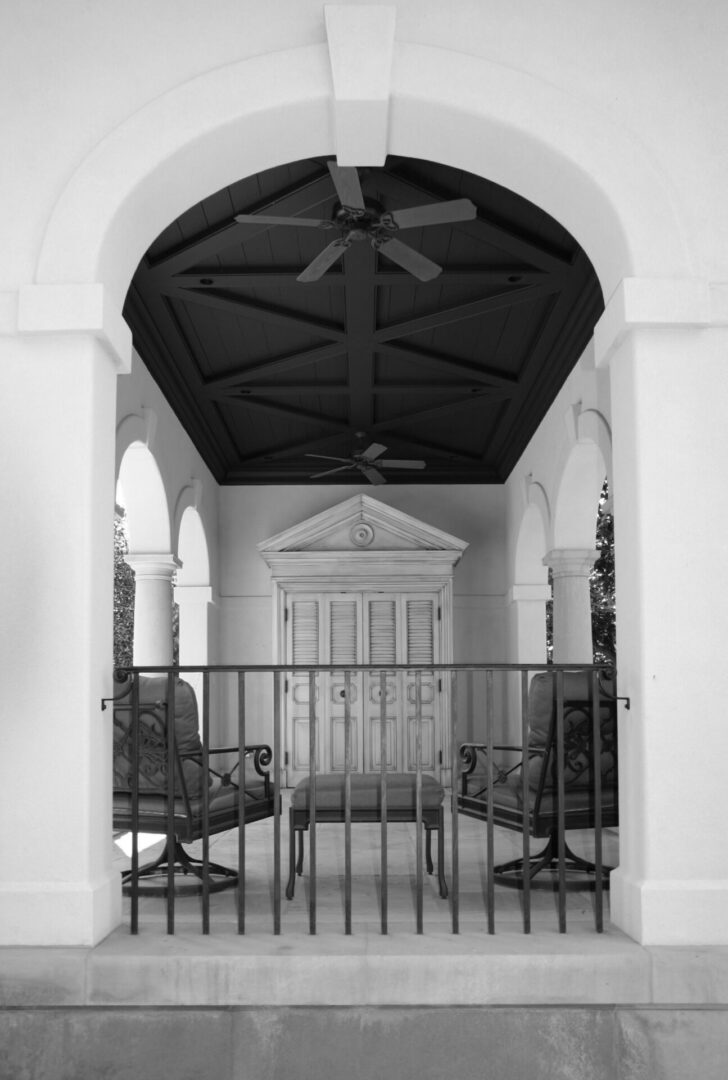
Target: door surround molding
x,y
361,544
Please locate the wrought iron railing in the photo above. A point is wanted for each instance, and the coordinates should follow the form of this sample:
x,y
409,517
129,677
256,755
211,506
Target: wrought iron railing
x,y
480,762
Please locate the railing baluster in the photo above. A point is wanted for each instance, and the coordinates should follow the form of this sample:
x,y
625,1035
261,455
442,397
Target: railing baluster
x,y
383,775
277,710
418,797
135,721
489,881
241,802
455,781
561,800
525,796
312,798
597,773
347,802
171,764
205,802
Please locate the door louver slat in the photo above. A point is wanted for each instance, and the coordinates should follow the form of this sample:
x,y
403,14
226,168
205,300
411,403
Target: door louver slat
x,y
420,632
382,632
343,643
305,632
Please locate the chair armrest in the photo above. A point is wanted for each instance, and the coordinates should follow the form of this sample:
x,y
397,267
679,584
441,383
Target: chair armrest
x,y
261,754
495,772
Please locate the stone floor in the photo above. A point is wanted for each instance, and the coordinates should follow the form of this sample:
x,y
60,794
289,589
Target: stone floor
x,y
366,884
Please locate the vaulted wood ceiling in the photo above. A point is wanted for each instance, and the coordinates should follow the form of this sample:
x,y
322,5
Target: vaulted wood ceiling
x,y
263,370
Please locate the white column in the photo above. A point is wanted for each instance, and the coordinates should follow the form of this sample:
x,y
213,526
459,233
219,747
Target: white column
x,y
572,628
58,391
197,623
669,389
153,573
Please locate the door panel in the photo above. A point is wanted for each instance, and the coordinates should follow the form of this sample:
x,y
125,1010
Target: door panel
x,y
381,629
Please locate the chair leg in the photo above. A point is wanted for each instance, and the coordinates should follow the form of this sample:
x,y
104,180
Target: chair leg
x,y
441,855
548,859
290,887
428,850
221,877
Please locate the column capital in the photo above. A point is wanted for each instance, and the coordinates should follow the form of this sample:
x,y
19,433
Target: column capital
x,y
533,593
571,562
658,304
76,309
194,594
146,564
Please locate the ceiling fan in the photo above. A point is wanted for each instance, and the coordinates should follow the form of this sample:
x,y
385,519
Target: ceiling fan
x,y
368,462
357,218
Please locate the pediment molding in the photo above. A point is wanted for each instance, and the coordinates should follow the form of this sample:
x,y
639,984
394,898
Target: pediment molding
x,y
362,543
337,529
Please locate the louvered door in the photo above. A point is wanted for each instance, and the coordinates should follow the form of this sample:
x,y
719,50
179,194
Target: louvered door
x,y
323,629
401,629
377,629
419,621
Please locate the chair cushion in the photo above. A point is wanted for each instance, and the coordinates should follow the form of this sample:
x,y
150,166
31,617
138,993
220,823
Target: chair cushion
x,y
366,792
153,768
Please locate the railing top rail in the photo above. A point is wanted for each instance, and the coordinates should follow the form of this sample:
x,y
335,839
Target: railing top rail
x,y
182,669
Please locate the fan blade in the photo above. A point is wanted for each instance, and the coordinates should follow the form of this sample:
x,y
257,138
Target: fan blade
x,y
330,472
372,475
269,219
418,265
372,452
348,188
326,258
330,457
391,463
435,214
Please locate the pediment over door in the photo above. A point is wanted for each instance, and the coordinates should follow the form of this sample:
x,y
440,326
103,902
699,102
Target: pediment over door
x,y
362,541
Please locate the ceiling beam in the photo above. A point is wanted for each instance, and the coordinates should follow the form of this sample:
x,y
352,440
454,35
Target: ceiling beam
x,y
471,310
481,228
329,422
299,198
259,277
275,366
441,362
253,309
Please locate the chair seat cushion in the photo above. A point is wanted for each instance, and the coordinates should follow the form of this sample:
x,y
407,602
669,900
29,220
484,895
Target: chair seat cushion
x,y
366,792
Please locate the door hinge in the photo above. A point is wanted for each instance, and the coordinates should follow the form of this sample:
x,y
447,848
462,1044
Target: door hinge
x,y
285,686
285,615
439,685
439,614
440,755
285,758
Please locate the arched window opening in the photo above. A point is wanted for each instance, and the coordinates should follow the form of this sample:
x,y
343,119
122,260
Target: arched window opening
x,y
601,583
123,593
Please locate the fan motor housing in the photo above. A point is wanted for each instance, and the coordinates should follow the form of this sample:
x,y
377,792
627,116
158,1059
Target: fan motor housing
x,y
362,224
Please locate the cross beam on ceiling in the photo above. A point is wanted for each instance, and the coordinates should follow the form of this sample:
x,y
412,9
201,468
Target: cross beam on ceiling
x,y
481,228
299,198
253,309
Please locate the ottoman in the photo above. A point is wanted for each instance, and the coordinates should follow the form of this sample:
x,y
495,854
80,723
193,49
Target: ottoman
x,y
366,805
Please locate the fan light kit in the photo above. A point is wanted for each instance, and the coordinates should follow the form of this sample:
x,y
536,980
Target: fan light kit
x,y
357,218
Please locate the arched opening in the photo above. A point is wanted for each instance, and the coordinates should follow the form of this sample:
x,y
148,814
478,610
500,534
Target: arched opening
x,y
142,506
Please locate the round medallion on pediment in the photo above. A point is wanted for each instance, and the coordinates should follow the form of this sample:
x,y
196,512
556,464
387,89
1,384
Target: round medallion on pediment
x,y
361,534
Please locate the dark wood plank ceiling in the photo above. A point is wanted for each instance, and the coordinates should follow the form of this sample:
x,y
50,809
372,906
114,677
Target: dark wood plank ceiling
x,y
262,370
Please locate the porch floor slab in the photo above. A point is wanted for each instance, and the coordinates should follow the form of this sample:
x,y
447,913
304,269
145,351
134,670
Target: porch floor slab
x,y
329,968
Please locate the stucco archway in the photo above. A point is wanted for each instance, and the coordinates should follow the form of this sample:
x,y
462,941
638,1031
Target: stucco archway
x,y
445,106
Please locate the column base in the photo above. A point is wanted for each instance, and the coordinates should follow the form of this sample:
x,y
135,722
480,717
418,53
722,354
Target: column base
x,y
59,913
670,911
